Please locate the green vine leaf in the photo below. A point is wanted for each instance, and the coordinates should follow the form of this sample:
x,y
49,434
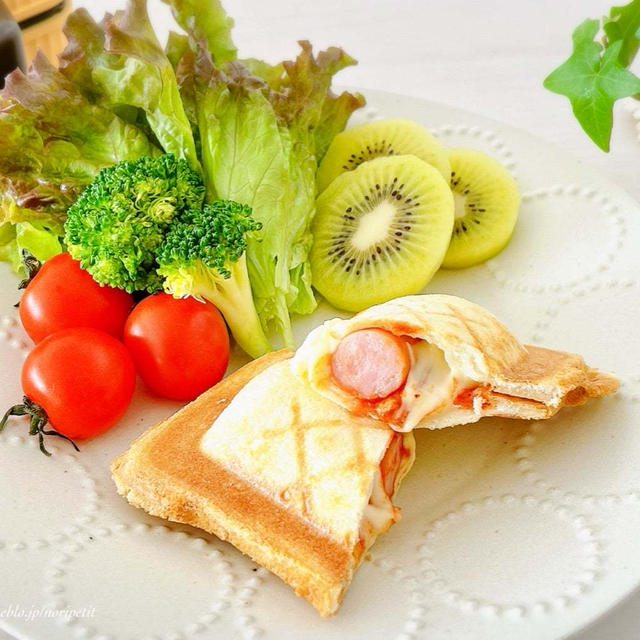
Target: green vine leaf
x,y
623,24
593,79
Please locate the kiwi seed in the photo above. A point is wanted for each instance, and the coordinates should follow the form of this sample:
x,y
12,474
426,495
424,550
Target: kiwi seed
x,y
486,201
392,137
380,231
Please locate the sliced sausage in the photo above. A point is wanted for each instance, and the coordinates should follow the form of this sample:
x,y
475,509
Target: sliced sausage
x,y
371,363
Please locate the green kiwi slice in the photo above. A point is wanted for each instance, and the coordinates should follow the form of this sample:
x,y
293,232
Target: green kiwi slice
x,y
486,208
395,136
380,231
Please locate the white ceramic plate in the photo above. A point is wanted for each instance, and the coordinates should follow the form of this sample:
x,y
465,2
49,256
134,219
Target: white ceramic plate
x,y
509,529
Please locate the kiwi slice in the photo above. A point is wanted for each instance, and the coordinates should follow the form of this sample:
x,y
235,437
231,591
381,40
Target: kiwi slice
x,y
380,231
393,137
486,208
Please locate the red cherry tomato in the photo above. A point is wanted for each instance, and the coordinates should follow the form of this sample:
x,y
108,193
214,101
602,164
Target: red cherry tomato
x,y
180,346
83,378
63,295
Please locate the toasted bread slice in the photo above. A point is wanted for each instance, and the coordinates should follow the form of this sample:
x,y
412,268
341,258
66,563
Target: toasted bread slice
x,y
464,365
284,475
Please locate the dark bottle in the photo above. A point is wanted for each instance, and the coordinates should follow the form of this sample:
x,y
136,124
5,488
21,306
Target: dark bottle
x,y
11,50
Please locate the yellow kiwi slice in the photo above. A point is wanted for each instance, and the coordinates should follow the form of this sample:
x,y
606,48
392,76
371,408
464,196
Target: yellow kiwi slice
x,y
380,231
392,137
486,208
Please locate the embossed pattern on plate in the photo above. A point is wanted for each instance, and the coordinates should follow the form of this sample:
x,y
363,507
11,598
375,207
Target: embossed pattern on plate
x,y
509,530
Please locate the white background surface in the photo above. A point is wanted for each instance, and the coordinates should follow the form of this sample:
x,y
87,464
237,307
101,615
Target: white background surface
x,y
489,57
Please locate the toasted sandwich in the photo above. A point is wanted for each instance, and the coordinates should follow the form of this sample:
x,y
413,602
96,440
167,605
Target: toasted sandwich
x,y
288,477
434,361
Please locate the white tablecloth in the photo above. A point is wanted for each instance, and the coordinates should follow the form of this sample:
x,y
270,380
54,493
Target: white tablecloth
x,y
487,56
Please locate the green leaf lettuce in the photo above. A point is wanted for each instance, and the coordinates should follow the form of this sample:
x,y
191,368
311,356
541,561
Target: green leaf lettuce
x,y
259,147
54,141
120,64
208,22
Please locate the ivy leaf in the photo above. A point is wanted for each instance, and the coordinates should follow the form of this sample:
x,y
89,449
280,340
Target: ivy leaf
x,y
623,24
593,79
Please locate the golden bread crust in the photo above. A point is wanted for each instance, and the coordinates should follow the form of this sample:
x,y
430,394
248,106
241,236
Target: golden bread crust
x,y
166,474
544,374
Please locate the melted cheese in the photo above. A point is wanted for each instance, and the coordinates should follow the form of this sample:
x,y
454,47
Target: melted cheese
x,y
379,514
430,384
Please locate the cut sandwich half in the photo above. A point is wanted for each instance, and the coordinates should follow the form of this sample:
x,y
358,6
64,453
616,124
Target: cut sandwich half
x,y
288,477
435,361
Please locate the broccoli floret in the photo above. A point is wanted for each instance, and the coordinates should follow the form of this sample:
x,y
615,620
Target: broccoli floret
x,y
203,256
117,224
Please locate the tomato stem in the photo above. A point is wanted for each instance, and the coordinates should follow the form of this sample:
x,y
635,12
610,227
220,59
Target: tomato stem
x,y
31,266
37,423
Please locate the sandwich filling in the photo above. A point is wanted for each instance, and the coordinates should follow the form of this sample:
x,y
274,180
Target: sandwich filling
x,y
399,379
380,514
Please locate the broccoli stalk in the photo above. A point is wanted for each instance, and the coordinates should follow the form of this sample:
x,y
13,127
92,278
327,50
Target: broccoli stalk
x,y
203,256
